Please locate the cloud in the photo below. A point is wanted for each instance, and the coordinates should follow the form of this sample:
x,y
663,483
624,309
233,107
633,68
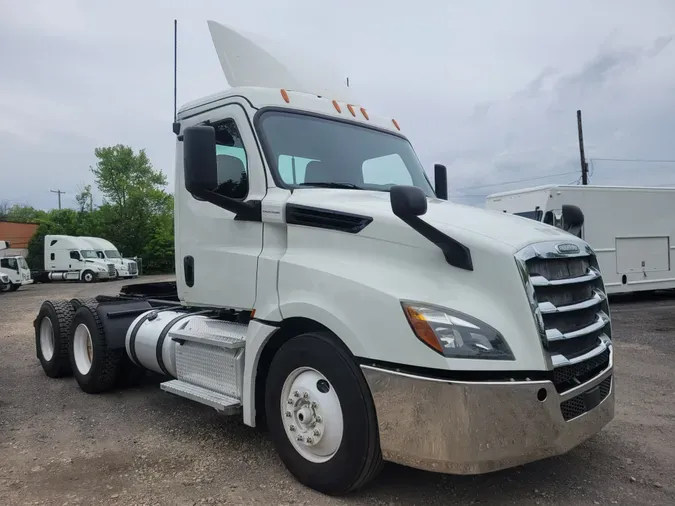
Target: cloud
x,y
489,88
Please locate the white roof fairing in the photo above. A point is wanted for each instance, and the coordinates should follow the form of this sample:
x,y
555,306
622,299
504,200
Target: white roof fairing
x,y
252,60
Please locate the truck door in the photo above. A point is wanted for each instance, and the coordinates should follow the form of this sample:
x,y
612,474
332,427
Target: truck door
x,y
217,256
75,260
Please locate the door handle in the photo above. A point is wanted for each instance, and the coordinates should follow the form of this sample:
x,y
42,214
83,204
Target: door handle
x,y
189,270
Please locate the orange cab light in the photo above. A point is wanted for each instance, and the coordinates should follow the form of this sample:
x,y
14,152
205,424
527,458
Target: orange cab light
x,y
351,109
365,114
284,94
337,106
396,124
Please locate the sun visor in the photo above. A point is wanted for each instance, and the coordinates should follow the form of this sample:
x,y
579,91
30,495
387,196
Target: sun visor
x,y
252,60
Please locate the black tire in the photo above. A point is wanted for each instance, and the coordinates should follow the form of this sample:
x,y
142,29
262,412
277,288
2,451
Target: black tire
x,y
358,458
13,287
60,314
83,301
88,277
105,363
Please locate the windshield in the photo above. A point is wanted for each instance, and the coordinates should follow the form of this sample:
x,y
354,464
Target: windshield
x,y
533,215
89,253
307,151
22,263
112,253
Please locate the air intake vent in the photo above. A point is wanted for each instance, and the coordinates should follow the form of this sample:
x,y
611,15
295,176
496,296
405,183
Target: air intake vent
x,y
325,218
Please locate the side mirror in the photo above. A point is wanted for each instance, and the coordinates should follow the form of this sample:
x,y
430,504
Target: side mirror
x,y
441,181
572,216
407,201
199,159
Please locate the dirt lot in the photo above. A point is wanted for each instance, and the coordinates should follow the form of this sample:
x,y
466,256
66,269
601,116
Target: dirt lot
x,y
59,445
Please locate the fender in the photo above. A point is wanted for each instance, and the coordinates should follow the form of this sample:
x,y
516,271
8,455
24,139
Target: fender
x,y
260,332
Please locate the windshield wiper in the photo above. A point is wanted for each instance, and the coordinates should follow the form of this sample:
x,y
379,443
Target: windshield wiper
x,y
330,184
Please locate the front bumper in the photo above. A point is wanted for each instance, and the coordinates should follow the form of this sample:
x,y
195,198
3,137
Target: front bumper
x,y
478,427
27,282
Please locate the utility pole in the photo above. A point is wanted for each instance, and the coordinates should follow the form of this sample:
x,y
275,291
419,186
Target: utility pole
x,y
59,192
584,165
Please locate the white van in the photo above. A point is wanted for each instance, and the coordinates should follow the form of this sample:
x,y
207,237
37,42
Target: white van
x,y
69,254
630,228
17,271
105,250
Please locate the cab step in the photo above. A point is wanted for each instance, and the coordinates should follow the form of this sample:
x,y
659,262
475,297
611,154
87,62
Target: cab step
x,y
217,333
220,402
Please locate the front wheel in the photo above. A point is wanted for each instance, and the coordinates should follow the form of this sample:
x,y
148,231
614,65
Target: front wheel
x,y
88,276
321,415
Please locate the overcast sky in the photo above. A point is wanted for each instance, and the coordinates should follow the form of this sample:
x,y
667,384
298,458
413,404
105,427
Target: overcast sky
x,y
488,87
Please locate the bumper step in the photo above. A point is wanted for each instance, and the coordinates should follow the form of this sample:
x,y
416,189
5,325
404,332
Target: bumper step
x,y
221,403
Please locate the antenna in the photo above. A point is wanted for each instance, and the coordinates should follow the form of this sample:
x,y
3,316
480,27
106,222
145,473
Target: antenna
x,y
176,125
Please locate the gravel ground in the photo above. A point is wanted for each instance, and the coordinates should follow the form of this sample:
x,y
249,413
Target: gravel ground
x,y
60,446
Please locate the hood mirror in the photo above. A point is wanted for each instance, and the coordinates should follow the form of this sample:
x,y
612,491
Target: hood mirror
x,y
407,201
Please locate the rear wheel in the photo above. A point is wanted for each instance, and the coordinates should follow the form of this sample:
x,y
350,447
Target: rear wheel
x,y
95,366
52,330
321,415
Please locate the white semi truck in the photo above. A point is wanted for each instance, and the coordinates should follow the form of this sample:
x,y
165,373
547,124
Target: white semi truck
x,y
17,271
631,228
326,289
5,282
106,251
71,258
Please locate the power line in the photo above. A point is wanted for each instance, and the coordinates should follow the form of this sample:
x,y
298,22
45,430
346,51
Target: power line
x,y
640,160
515,181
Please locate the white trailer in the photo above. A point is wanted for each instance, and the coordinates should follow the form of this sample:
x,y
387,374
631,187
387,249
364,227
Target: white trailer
x,y
347,304
631,229
108,252
69,258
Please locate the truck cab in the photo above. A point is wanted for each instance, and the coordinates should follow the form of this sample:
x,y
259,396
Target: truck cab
x,y
107,252
63,253
325,287
17,271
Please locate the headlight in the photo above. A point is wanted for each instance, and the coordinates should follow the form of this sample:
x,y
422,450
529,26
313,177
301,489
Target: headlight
x,y
4,278
454,334
101,269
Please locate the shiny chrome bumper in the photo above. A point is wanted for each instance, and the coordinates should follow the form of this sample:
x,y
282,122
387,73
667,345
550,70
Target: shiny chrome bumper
x,y
477,427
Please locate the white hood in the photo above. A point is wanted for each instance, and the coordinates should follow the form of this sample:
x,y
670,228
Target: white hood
x,y
459,221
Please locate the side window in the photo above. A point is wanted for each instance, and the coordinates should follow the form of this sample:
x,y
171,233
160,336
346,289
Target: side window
x,y
74,255
292,168
232,161
4,263
386,170
53,242
52,256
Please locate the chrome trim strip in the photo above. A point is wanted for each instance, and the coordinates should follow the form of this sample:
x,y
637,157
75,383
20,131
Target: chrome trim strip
x,y
542,281
561,361
550,308
555,335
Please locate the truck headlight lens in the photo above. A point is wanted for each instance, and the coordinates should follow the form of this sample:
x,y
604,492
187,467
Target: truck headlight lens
x,y
454,334
101,269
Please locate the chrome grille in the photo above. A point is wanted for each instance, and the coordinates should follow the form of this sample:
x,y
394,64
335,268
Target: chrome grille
x,y
111,270
133,268
570,308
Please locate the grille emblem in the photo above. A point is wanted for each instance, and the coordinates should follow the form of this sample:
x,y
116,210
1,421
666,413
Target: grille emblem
x,y
567,248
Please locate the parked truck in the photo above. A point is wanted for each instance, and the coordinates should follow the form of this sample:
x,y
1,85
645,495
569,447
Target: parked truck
x,y
71,258
106,251
4,278
327,290
17,271
630,228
